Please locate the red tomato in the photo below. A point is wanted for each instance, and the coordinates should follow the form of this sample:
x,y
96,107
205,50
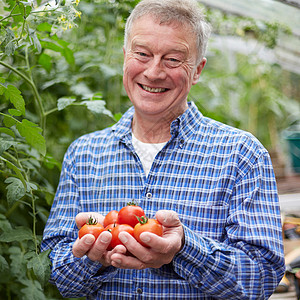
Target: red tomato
x,y
111,218
109,227
115,234
128,214
147,225
91,227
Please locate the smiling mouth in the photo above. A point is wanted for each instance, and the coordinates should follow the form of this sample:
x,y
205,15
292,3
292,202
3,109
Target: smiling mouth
x,y
152,90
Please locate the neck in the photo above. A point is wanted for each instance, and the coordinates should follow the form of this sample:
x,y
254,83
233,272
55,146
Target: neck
x,y
151,129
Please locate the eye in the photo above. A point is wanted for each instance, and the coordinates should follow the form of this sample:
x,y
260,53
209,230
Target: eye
x,y
142,54
172,62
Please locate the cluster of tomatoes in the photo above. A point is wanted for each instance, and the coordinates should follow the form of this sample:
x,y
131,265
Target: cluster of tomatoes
x,y
130,218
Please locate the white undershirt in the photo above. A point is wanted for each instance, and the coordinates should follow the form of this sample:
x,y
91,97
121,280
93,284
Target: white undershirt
x,y
146,152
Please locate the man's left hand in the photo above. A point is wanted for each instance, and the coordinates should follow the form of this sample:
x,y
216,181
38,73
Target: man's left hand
x,y
162,251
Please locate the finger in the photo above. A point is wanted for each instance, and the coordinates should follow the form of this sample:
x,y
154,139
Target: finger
x,y
168,218
83,245
153,241
121,261
170,243
135,248
83,217
97,250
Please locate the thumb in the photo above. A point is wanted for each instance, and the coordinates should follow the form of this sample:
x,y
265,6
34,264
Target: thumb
x,y
168,218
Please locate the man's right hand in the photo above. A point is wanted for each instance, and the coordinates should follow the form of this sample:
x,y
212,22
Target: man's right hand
x,y
96,250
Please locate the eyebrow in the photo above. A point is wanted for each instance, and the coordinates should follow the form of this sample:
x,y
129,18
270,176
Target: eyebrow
x,y
172,50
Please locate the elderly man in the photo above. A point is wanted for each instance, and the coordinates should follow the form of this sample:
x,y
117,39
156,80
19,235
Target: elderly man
x,y
211,186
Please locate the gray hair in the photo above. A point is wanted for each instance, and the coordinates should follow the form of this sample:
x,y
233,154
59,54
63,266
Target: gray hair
x,y
185,12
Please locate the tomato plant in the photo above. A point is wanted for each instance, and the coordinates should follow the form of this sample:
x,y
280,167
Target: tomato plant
x,y
115,234
111,218
147,225
91,227
128,214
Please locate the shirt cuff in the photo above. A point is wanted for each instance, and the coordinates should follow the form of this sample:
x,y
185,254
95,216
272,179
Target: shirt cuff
x,y
188,261
97,270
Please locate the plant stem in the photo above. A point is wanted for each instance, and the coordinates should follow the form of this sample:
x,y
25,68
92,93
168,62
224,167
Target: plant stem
x,y
51,111
35,92
34,223
10,14
37,95
10,211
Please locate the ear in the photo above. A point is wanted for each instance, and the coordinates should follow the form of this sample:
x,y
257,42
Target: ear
x,y
198,71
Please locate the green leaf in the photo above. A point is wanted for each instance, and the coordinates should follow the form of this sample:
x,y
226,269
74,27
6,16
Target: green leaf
x,y
44,27
64,102
18,234
9,121
4,223
98,107
15,190
7,131
31,186
118,116
35,41
40,264
8,43
51,46
50,162
66,52
15,112
15,97
10,48
45,61
16,169
3,264
18,265
31,133
32,291
68,55
2,88
6,144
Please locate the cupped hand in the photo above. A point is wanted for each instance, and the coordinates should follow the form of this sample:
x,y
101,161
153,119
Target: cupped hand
x,y
162,249
95,249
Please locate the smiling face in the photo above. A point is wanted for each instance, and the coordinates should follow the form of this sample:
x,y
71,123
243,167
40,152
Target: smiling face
x,y
160,67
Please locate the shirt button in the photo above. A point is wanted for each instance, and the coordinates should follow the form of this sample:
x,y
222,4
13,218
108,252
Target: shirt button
x,y
139,291
148,195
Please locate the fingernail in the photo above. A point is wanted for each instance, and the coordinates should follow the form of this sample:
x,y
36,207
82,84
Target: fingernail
x,y
89,240
104,239
123,238
117,261
145,238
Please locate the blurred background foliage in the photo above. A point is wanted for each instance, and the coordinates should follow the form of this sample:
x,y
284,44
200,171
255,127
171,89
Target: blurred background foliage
x,y
61,77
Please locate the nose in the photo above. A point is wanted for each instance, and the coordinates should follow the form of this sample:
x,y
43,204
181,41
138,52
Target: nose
x,y
155,69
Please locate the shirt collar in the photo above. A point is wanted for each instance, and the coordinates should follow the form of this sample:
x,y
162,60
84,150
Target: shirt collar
x,y
182,126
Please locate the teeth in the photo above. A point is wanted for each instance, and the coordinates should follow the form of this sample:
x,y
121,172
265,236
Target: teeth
x,y
153,90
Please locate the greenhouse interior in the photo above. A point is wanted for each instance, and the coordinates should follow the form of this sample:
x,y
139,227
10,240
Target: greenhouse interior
x,y
61,76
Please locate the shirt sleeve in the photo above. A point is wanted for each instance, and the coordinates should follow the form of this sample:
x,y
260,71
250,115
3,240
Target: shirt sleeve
x,y
74,277
249,262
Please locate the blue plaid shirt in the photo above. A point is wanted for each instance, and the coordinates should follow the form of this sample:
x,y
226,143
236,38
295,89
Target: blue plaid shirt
x,y
218,179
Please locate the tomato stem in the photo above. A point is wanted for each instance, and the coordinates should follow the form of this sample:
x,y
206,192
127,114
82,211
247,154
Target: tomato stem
x,y
132,203
92,221
143,219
